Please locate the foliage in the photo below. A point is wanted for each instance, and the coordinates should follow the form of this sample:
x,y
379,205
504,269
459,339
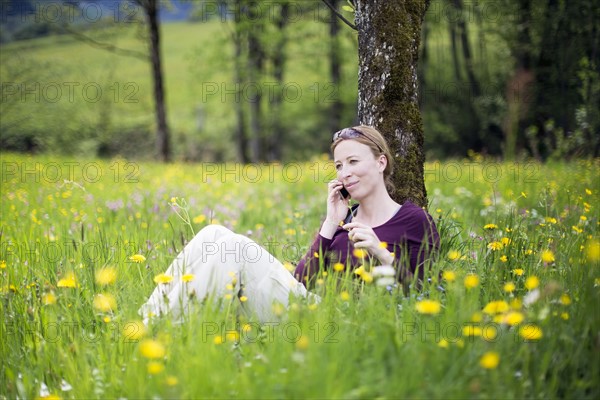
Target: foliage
x,y
513,315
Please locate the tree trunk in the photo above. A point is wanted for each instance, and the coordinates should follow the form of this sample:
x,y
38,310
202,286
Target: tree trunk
x,y
389,34
163,148
335,68
240,134
255,72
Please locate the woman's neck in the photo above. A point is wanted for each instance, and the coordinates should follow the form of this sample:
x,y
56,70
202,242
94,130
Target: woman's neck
x,y
377,208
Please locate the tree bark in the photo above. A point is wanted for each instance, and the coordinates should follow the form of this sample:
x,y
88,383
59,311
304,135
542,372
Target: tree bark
x,y
389,34
256,58
163,147
335,68
241,132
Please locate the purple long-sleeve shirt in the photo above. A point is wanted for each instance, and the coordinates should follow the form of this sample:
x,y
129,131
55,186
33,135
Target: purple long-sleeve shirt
x,y
411,235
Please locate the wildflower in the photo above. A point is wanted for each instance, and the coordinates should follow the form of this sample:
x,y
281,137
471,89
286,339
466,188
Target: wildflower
x,y
152,349
359,253
163,278
155,367
496,307
524,195
547,256
302,343
105,302
593,250
49,298
477,317
576,229
443,343
471,281
243,299
218,340
345,296
532,282
494,246
551,220
188,277
68,281
471,330
430,307
106,276
509,287
490,332
503,258
367,277
453,255
449,276
137,258
360,270
530,332
171,380
490,227
505,241
513,318
516,304
289,266
518,271
199,219
565,316
232,336
565,299
2,264
338,267
489,360
383,245
316,255
134,330
528,252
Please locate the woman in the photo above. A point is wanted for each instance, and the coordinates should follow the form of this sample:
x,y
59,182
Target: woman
x,y
221,263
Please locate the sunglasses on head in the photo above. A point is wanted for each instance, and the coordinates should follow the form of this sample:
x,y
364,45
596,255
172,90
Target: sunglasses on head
x,y
351,133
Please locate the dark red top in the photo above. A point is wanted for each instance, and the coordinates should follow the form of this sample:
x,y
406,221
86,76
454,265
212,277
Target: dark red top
x,y
411,235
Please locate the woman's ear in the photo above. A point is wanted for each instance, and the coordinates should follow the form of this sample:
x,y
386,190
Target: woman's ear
x,y
382,161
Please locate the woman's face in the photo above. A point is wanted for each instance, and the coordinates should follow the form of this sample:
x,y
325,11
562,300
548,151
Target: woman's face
x,y
358,168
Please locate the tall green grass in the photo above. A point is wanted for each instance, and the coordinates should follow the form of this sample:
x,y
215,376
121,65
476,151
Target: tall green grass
x,y
361,341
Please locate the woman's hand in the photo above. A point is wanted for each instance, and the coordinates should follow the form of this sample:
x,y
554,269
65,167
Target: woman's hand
x,y
365,238
337,208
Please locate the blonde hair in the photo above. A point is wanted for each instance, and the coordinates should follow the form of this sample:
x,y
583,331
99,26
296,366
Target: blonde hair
x,y
371,137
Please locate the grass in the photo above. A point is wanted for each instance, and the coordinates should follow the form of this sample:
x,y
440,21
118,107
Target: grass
x,y
63,220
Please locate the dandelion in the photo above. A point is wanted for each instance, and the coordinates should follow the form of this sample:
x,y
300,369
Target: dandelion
x,y
152,349
68,281
565,299
199,219
162,279
105,302
171,380
588,191
513,318
496,307
490,332
345,296
565,316
443,343
316,255
383,245
429,307
551,220
518,271
338,267
49,299
532,282
289,266
134,330
453,255
137,258
477,317
471,281
243,299
490,227
471,331
593,250
449,276
359,253
187,278
367,277
106,276
495,246
2,264
302,343
218,340
576,229
155,367
504,258
360,270
489,360
530,332
509,287
232,336
547,256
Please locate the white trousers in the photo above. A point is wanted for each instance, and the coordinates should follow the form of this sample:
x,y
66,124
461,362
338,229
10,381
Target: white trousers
x,y
223,263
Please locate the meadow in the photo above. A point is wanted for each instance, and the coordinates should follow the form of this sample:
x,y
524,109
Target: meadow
x,y
84,242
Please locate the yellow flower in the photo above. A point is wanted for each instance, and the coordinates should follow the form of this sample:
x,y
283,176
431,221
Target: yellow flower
x,y
518,271
289,266
471,281
496,307
243,299
105,302
303,343
232,336
489,360
509,287
49,298
503,258
449,276
137,258
443,343
505,241
155,367
430,307
360,270
199,219
2,264
471,330
345,296
588,191
152,349
565,299
134,330
532,282
576,229
383,245
106,276
453,255
490,226
338,267
593,250
171,381
513,318
565,316
476,317
68,281
188,277
359,253
316,255
551,220
528,252
163,278
547,256
494,246
367,277
530,332
218,340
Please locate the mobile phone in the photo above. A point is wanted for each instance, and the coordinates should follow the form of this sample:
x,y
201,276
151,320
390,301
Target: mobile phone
x,y
345,194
